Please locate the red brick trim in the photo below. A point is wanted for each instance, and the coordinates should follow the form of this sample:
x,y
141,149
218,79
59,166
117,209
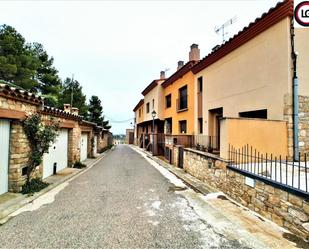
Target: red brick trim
x,y
12,114
85,128
67,124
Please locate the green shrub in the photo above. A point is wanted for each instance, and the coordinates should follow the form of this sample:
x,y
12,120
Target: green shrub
x,y
79,165
34,185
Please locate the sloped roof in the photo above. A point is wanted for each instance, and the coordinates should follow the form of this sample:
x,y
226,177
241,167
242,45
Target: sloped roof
x,y
18,94
60,113
138,105
274,15
179,73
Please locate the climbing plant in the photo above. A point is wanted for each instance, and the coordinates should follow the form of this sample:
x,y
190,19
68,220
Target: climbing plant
x,y
40,137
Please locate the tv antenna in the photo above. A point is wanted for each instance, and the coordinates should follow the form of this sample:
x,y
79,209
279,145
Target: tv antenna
x,y
223,28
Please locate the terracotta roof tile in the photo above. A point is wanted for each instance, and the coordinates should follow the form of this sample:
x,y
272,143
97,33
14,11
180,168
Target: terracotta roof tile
x,y
21,95
274,15
60,113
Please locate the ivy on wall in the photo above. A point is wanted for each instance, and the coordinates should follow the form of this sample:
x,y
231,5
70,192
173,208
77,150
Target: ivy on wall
x,y
40,137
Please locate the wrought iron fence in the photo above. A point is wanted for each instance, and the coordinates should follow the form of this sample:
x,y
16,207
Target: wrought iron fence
x,y
276,170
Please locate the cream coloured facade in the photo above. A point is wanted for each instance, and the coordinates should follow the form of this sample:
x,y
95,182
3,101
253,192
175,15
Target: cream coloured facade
x,y
155,99
255,80
253,77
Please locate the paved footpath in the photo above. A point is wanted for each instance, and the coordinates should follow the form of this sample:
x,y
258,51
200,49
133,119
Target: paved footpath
x,y
122,202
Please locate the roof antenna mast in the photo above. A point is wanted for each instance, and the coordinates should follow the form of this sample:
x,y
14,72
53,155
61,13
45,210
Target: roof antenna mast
x,y
223,28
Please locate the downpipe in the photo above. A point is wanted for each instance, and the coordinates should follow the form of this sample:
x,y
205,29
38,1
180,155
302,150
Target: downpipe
x,y
295,97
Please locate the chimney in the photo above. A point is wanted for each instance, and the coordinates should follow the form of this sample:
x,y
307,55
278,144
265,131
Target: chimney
x,y
74,111
162,75
180,64
194,54
67,108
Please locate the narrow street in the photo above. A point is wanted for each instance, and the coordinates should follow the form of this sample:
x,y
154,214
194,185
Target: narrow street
x,y
122,202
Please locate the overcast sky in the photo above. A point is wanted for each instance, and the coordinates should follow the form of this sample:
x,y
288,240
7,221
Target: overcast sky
x,y
116,48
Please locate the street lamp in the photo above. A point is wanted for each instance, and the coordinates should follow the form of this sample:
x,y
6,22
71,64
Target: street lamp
x,y
153,114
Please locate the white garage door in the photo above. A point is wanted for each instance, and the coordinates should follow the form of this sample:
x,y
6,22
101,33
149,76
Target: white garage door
x,y
4,155
57,154
83,146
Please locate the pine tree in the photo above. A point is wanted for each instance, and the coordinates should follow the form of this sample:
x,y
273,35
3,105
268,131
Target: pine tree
x,y
79,98
17,63
95,113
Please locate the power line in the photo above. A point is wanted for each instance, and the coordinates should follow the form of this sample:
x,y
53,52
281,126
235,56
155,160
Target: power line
x,y
118,121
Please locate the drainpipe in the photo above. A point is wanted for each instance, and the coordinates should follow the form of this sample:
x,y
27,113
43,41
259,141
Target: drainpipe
x,y
295,96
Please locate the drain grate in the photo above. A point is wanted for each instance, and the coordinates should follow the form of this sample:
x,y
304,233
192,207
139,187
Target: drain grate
x,y
176,188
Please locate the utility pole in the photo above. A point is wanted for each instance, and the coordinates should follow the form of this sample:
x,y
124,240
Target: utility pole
x,y
72,90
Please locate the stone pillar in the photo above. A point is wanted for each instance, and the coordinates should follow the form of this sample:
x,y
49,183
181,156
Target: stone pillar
x,y
19,157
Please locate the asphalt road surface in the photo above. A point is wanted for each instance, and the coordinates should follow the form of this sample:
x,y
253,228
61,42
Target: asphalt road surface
x,y
122,202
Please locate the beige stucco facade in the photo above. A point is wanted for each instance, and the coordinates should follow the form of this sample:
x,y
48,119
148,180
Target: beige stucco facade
x,y
302,48
255,76
258,75
260,134
155,98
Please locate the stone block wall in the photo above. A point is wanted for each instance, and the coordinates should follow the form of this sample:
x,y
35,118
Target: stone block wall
x,y
19,146
19,156
303,125
175,151
17,105
16,109
73,147
282,207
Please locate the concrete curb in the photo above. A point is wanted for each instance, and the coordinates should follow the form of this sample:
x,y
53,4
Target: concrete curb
x,y
5,214
189,180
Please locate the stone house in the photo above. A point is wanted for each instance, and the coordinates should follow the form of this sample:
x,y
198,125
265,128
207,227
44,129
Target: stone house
x,y
75,141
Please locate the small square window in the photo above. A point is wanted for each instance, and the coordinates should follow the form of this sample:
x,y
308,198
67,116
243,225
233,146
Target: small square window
x,y
168,101
183,126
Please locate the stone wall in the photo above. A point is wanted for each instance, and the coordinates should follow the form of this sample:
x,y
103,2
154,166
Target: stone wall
x,y
17,105
103,140
74,145
175,151
283,208
19,146
303,125
19,156
16,110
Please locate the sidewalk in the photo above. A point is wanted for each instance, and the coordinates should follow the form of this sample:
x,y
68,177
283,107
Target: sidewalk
x,y
224,213
11,202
